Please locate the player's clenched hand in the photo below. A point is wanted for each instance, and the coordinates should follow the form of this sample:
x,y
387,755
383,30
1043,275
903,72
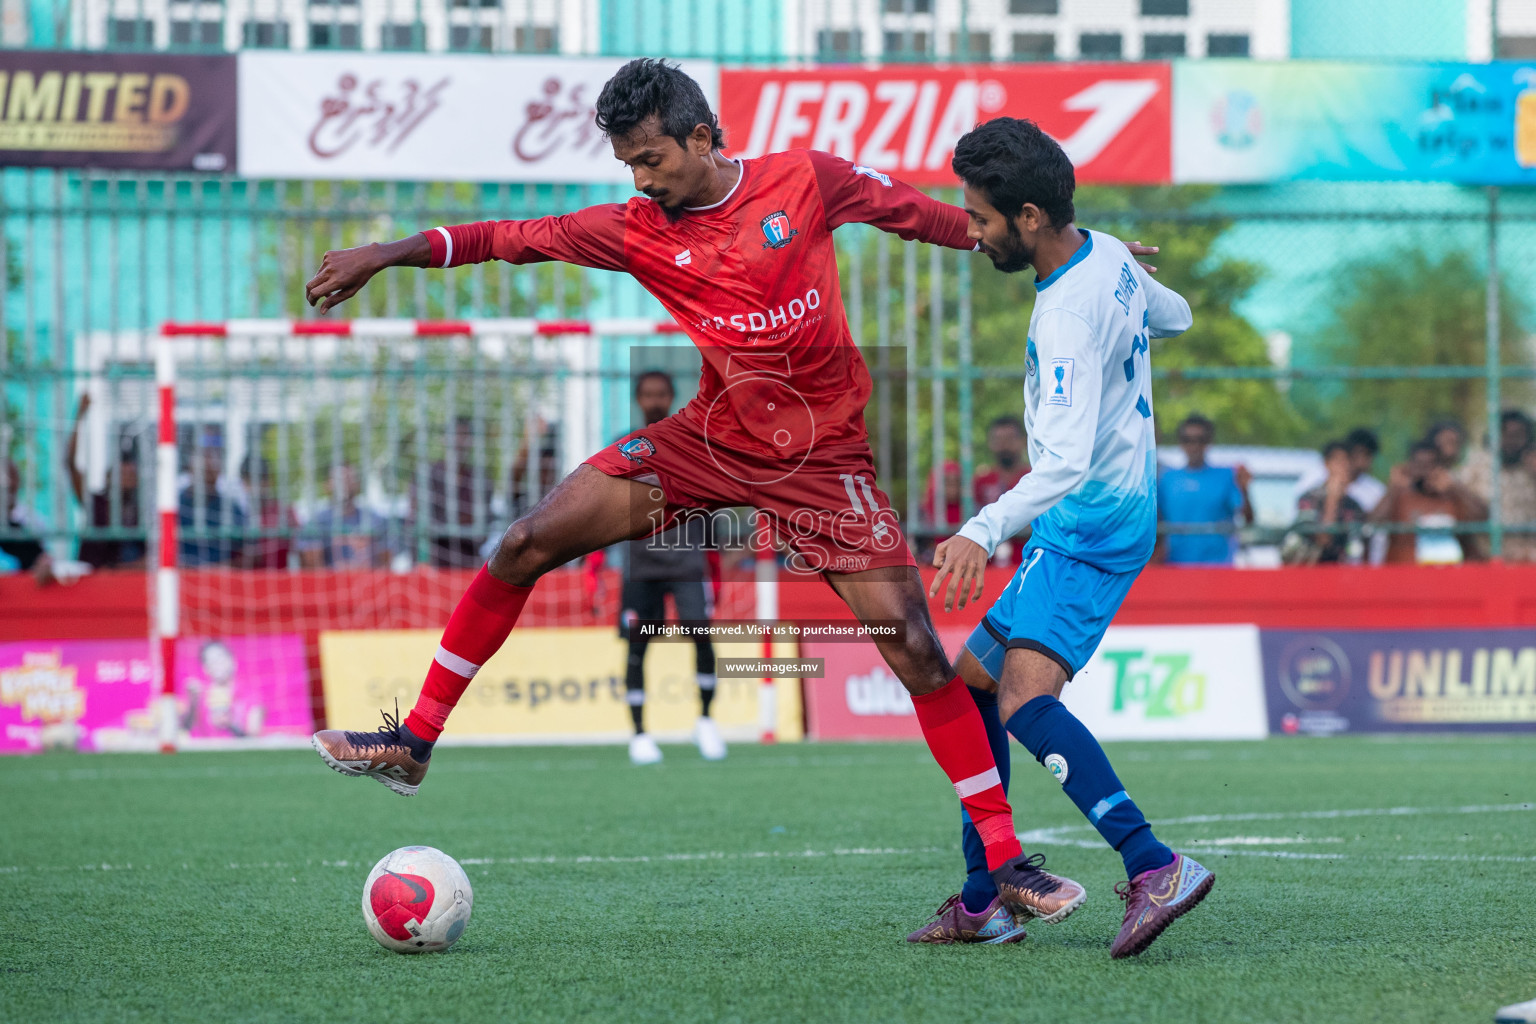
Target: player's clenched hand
x,y
964,562
342,274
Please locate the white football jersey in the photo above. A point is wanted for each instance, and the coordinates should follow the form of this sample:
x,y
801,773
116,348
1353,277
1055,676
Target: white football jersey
x,y
1091,492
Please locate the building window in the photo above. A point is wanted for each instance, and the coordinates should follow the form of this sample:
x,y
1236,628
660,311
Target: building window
x,y
1034,7
1517,47
131,32
334,37
471,38
535,39
977,45
906,44
839,45
201,34
1165,8
1099,46
264,35
908,6
1161,46
1034,46
1226,45
407,36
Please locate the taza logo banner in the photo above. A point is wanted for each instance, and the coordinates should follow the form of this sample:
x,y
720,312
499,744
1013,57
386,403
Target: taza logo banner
x,y
1112,119
1172,682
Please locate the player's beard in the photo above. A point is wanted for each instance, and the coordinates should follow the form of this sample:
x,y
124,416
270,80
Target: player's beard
x,y
1014,256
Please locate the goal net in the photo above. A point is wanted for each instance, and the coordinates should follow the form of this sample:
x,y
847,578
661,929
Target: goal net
x,y
343,476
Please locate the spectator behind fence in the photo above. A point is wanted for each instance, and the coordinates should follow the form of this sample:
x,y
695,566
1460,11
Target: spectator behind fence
x,y
26,553
460,549
1006,444
1361,445
1328,518
1450,440
1425,495
203,507
276,521
125,553
1517,483
1201,494
344,534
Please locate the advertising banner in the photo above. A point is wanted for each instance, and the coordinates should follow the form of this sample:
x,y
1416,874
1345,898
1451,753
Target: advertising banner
x,y
150,111
1321,682
1252,121
420,117
1143,683
550,685
100,694
1112,119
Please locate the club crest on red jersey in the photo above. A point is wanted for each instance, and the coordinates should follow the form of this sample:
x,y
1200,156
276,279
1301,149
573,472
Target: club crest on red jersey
x,y
637,448
777,230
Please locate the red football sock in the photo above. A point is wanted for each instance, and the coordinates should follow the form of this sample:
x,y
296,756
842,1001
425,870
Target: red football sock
x,y
958,738
476,630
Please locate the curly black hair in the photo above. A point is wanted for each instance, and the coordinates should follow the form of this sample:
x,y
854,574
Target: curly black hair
x,y
647,86
1012,162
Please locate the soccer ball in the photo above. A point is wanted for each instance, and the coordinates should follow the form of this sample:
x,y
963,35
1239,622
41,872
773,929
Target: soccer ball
x,y
417,900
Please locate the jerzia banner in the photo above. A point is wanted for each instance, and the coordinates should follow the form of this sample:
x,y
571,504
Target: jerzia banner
x,y
141,110
1320,682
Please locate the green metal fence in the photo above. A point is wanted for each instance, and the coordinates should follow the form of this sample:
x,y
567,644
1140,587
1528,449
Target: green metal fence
x,y
1318,308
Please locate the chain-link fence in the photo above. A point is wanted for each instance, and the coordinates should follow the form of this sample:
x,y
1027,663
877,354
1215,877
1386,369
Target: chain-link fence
x,y
1319,309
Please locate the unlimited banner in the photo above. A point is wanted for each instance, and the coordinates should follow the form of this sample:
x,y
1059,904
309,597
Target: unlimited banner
x,y
126,110
549,685
1143,683
421,117
100,694
1112,119
1323,682
1247,121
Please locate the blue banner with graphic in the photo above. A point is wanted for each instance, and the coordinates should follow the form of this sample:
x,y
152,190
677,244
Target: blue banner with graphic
x,y
1319,682
1253,122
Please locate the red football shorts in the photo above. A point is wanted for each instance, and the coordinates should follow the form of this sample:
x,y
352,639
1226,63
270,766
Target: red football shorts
x,y
826,507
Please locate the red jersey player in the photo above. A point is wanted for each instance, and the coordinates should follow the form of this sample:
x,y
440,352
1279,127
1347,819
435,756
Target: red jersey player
x,y
740,253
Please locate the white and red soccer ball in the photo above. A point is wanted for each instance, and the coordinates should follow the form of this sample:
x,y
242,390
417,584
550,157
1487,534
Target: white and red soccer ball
x,y
417,900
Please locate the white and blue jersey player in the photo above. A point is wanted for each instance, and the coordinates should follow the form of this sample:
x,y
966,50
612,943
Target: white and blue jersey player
x,y
1090,500
1091,493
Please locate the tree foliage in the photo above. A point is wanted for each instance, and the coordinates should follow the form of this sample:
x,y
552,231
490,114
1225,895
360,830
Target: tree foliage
x,y
1409,307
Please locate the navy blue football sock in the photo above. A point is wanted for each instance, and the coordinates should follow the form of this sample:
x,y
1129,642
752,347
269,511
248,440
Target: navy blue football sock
x,y
1065,746
979,888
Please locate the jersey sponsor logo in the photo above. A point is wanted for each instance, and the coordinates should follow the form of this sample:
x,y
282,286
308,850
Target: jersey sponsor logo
x,y
637,449
683,258
1059,383
870,172
777,230
1031,359
768,319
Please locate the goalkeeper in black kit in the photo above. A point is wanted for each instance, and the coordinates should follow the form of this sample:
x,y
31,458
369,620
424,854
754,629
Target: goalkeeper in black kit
x,y
678,562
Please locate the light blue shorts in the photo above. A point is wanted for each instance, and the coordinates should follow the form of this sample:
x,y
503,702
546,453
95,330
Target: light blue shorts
x,y
1055,605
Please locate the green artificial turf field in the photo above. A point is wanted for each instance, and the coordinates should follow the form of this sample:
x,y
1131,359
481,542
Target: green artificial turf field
x,y
776,886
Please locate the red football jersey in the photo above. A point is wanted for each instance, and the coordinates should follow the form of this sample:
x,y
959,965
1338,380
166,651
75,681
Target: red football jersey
x,y
753,281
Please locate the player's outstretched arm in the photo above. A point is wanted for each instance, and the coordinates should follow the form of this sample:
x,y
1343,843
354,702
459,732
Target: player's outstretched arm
x,y
593,237
343,272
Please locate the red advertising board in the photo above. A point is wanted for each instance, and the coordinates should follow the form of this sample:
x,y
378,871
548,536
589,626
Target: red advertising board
x,y
1114,120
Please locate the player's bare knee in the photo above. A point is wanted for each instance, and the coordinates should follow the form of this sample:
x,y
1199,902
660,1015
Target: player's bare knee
x,y
921,666
517,559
